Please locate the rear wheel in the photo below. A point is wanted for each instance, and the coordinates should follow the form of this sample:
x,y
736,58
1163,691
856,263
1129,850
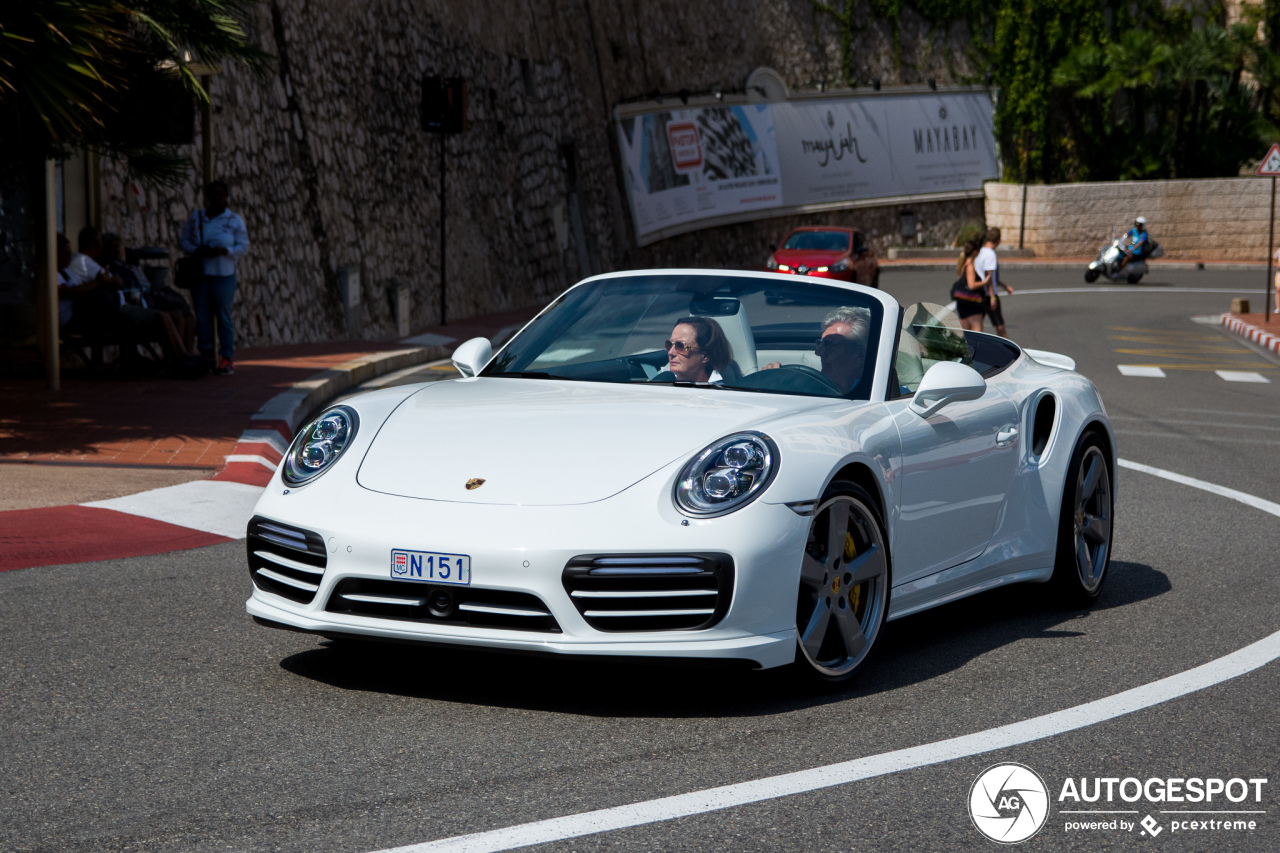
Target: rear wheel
x,y
844,585
1090,276
1134,279
1084,526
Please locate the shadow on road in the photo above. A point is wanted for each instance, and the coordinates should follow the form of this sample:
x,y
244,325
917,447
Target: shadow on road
x,y
913,650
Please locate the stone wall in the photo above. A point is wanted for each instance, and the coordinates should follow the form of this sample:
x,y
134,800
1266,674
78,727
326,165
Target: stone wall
x,y
329,168
1222,218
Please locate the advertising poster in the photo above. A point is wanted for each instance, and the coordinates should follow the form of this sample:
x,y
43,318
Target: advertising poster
x,y
702,166
848,149
687,165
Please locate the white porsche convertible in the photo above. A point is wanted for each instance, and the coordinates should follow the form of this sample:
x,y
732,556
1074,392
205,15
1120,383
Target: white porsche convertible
x,y
692,464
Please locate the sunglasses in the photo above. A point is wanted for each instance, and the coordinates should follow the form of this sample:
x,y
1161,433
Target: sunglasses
x,y
679,346
832,341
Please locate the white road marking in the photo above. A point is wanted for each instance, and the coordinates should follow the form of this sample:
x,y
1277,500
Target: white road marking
x,y
1216,671
1243,497
214,506
1141,370
1242,376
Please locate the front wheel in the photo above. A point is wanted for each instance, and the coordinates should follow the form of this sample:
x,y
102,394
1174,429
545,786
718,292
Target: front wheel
x,y
1084,526
1090,276
844,585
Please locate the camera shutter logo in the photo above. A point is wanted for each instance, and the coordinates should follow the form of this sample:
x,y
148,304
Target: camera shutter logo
x,y
1008,803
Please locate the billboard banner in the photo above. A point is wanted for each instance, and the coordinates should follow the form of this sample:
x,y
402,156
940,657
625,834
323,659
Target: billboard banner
x,y
687,165
701,166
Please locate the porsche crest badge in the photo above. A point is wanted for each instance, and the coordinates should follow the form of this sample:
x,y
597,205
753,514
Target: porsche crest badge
x,y
475,483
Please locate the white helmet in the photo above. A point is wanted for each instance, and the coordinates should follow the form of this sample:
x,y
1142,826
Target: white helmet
x,y
1141,220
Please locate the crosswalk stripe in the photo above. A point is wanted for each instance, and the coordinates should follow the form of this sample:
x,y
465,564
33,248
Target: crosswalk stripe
x,y
1241,376
1141,370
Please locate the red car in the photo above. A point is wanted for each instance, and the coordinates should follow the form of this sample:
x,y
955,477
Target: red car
x,y
827,252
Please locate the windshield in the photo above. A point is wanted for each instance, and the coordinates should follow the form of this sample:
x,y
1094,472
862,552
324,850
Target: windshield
x,y
823,241
737,333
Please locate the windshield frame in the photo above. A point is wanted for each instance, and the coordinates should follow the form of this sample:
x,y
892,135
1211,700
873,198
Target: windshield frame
x,y
886,340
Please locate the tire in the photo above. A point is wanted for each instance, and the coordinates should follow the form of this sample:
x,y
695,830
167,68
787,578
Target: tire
x,y
844,586
1090,276
1085,526
1134,279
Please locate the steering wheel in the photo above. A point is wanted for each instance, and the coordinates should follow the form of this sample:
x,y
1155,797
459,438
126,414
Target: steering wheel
x,y
814,373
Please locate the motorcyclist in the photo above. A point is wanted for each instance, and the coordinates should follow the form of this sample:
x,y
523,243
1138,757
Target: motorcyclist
x,y
1138,239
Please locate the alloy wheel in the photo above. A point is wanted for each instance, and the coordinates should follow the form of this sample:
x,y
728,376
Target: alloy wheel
x,y
844,583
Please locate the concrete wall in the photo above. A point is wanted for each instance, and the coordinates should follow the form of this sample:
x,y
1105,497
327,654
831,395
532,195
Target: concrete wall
x,y
328,166
1220,219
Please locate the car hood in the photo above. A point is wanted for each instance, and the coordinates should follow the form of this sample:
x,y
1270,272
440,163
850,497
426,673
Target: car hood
x,y
808,257
541,442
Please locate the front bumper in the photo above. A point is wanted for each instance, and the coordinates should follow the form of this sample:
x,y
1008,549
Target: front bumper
x,y
526,549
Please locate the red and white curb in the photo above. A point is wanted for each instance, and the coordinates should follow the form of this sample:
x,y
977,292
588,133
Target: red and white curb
x,y
1266,340
194,514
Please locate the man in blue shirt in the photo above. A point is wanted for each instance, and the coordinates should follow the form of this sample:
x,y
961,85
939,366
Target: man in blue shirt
x,y
1137,238
218,236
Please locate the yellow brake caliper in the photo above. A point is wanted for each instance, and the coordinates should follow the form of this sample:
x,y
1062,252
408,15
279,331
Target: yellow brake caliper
x,y
855,590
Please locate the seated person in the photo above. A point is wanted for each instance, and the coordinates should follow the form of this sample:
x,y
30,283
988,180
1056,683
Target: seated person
x,y
1138,239
176,330
87,295
842,346
65,305
697,351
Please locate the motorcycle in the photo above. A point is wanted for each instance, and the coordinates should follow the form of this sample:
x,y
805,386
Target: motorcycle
x,y
1108,263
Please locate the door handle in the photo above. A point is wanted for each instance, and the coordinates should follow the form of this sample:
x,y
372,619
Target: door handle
x,y
1006,437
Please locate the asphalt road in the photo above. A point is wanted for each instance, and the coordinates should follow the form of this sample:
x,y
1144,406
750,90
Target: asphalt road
x,y
140,709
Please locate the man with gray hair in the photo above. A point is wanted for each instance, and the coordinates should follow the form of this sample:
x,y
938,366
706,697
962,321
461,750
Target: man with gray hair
x,y
842,346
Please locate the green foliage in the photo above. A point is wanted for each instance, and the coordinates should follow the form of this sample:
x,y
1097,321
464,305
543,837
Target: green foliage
x,y
1166,97
69,69
1103,90
970,231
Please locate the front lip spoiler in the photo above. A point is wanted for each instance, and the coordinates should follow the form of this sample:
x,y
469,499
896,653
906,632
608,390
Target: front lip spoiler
x,y
760,651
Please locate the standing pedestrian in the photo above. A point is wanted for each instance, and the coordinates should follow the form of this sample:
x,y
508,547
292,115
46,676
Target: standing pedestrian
x,y
218,236
987,268
968,292
1275,262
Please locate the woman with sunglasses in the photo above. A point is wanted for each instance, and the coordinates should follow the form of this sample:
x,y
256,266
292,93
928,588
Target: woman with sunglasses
x,y
697,351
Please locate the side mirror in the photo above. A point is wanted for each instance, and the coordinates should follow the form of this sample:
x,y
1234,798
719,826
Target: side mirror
x,y
947,382
472,356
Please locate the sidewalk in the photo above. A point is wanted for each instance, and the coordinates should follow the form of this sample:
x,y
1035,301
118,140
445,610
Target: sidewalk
x,y
111,468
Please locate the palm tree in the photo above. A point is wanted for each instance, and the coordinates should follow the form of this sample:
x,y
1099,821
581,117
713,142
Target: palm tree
x,y
68,67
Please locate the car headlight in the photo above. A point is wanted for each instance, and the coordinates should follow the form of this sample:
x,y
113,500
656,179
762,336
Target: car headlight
x,y
319,444
727,475
840,266
772,263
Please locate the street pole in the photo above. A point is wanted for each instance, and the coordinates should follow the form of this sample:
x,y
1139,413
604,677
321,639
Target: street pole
x,y
1271,240
1022,229
48,268
443,316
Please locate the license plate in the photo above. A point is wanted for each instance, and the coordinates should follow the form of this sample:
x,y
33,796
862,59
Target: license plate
x,y
431,567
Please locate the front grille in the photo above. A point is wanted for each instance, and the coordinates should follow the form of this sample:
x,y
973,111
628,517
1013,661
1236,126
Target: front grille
x,y
438,604
650,592
285,560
